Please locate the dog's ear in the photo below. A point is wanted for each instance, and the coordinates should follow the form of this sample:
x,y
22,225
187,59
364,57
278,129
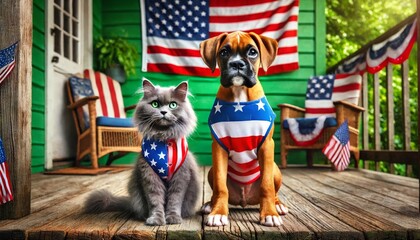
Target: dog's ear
x,y
267,47
209,48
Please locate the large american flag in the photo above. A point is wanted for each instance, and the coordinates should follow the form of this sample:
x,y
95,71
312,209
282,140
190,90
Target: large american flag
x,y
173,29
337,149
7,61
5,184
165,158
322,91
240,128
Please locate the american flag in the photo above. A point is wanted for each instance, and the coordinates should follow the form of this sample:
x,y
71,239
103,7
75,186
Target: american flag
x,y
337,149
173,29
5,185
322,91
165,158
240,128
7,61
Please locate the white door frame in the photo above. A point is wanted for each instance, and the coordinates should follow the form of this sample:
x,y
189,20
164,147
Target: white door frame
x,y
85,58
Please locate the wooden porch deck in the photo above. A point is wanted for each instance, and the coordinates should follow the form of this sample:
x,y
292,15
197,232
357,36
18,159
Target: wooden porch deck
x,y
355,204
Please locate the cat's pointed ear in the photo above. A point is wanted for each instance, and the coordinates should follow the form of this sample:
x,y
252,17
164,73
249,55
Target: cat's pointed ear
x,y
148,88
181,91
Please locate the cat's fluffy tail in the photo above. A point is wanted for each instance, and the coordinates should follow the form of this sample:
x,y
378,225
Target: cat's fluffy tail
x,y
104,201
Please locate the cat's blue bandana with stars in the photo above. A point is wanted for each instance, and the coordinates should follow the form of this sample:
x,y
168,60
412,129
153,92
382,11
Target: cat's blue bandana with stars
x,y
165,157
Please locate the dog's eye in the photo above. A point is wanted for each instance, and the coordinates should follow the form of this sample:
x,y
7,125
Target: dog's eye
x,y
252,53
224,53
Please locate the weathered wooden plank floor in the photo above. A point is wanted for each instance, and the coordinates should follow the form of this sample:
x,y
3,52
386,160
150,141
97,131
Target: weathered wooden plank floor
x,y
355,204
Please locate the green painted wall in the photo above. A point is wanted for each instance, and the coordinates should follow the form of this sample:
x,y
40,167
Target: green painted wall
x,y
38,86
122,18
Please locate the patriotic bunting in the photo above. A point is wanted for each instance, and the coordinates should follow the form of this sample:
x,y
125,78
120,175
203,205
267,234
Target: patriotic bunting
x,y
172,31
396,49
7,61
5,184
337,149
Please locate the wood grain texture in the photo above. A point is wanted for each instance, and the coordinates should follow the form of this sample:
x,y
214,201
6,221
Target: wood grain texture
x,y
323,204
15,107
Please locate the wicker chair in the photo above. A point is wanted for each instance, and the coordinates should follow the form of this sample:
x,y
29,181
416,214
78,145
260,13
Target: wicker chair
x,y
100,118
344,110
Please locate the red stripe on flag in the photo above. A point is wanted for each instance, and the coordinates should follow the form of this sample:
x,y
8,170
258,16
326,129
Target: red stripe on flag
x,y
195,71
280,68
320,110
113,94
179,52
348,87
101,94
242,143
224,3
253,16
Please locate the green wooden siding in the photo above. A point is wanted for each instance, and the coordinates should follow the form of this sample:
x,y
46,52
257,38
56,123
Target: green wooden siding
x,y
122,18
38,86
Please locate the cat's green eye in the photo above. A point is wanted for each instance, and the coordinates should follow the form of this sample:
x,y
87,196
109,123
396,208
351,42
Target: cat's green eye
x,y
155,104
173,105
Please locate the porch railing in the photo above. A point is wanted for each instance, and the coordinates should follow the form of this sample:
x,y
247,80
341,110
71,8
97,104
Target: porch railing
x,y
380,118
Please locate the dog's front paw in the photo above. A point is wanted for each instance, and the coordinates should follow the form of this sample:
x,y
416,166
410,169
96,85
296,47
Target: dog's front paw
x,y
281,209
271,221
173,219
206,208
217,220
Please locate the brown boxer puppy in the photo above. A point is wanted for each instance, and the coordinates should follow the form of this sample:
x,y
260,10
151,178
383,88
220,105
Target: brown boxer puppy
x,y
241,122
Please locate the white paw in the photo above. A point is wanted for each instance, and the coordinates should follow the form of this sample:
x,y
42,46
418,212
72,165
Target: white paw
x,y
217,220
272,221
281,209
206,208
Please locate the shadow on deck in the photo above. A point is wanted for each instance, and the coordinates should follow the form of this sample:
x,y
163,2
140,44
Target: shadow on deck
x,y
355,204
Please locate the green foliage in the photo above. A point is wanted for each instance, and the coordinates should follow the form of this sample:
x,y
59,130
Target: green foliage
x,y
112,51
352,24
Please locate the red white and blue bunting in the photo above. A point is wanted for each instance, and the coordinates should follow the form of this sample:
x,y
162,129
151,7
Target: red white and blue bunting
x,y
396,49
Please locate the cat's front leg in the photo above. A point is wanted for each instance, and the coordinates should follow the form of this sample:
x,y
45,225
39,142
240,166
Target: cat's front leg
x,y
175,196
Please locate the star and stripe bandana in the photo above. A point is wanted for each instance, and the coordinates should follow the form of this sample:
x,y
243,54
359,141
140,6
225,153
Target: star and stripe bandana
x,y
165,158
172,31
337,149
240,128
5,184
7,61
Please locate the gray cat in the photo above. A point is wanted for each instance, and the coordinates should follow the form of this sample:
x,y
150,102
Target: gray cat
x,y
161,189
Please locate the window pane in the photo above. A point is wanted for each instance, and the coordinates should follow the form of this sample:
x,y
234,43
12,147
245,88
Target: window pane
x,y
67,5
57,41
57,16
75,51
58,2
76,8
75,29
66,26
66,46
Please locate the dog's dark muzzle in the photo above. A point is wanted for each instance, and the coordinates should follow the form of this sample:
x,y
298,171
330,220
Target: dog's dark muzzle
x,y
239,69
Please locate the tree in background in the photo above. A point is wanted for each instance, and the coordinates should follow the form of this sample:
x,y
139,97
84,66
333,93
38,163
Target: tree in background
x,y
354,23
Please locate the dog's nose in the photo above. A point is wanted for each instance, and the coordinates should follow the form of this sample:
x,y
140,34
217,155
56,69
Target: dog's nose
x,y
237,65
163,112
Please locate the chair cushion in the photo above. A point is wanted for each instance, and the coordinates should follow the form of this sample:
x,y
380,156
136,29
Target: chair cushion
x,y
110,103
114,122
307,125
81,88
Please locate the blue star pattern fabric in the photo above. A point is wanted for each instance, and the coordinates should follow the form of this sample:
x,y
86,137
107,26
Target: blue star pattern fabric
x,y
241,128
165,158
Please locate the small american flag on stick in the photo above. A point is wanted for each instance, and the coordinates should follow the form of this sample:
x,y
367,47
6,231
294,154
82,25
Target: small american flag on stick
x,y
7,61
337,149
5,185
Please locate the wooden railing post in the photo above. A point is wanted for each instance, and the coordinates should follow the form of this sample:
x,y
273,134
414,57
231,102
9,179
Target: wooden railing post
x,y
390,112
15,105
